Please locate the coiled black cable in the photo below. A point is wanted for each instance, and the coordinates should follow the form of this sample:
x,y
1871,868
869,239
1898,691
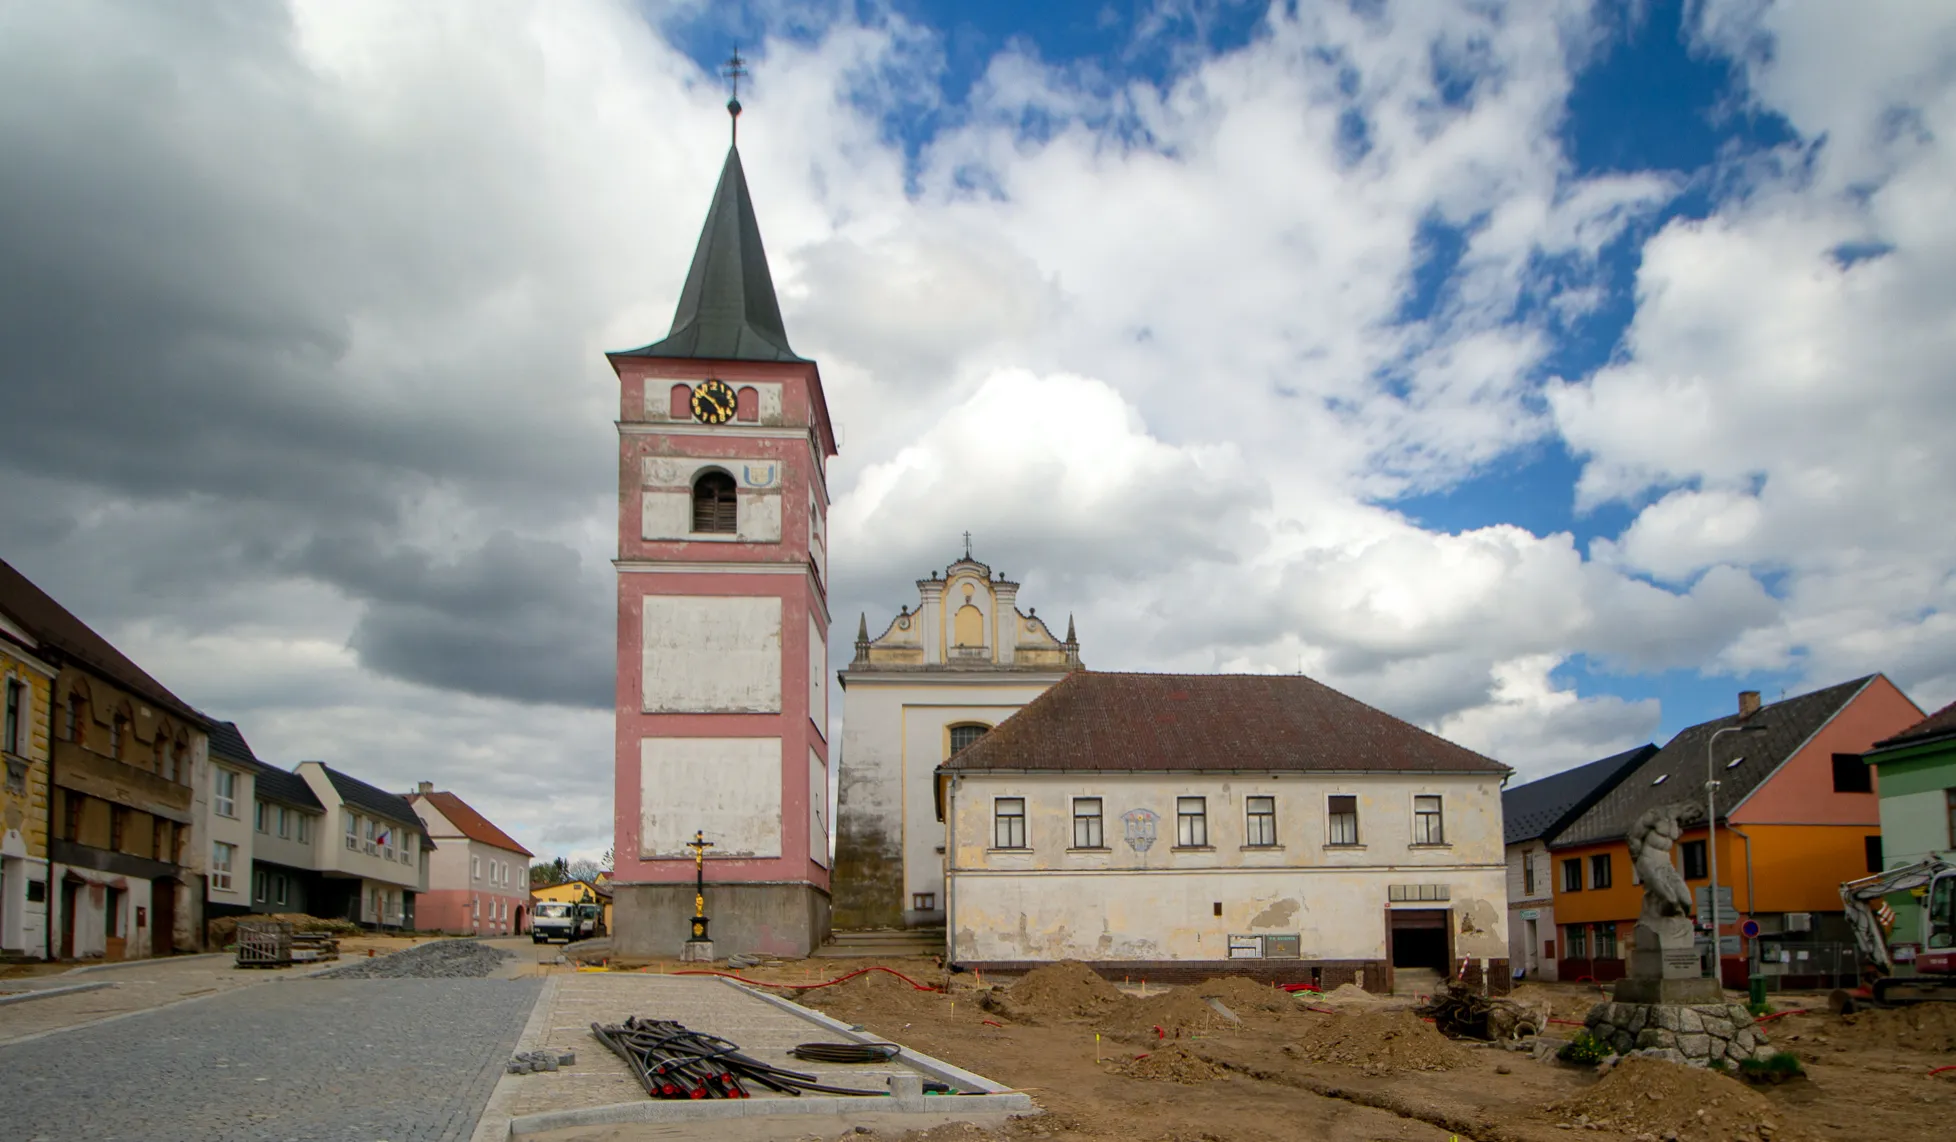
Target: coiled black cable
x,y
846,1052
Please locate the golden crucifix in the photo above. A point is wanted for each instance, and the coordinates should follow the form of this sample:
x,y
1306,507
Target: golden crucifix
x,y
699,844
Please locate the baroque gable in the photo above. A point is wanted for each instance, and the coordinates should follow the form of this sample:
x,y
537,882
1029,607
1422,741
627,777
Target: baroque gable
x,y
967,618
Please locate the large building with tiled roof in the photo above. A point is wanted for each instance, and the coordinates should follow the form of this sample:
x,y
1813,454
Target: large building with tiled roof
x,y
1176,826
478,876
1797,814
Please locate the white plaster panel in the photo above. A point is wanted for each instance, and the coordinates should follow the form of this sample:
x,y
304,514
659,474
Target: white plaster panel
x,y
729,788
760,517
771,403
711,654
818,548
678,472
818,809
818,680
665,515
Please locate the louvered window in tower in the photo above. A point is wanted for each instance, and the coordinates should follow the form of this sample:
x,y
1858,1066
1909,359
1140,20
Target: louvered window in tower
x,y
714,504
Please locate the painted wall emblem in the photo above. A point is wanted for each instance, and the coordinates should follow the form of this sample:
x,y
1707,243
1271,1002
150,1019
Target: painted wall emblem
x,y
759,475
1139,825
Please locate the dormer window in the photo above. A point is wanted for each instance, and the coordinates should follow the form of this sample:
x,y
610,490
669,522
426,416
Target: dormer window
x,y
714,504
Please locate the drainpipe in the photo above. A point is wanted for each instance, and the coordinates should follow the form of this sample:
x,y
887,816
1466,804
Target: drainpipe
x,y
1751,907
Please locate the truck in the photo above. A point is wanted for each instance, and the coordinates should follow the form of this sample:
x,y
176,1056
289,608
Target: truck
x,y
554,920
1934,980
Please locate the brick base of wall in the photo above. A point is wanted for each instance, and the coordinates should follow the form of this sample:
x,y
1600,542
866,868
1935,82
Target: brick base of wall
x,y
1327,974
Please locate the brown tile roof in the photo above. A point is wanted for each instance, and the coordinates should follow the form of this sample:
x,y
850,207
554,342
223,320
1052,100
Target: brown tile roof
x,y
472,824
1939,724
56,629
1092,721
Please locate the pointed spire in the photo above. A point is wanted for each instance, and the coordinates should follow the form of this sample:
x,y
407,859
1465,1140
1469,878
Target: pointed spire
x,y
1069,628
862,627
727,311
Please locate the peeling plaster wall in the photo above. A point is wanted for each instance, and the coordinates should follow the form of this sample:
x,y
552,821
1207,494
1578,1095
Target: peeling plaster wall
x,y
712,655
730,788
1154,902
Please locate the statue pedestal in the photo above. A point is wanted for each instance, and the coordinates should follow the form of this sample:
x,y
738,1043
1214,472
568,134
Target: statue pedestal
x,y
696,952
1696,1034
1690,992
1664,966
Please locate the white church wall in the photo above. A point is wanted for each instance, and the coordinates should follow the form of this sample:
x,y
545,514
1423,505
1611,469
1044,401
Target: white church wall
x,y
729,787
707,654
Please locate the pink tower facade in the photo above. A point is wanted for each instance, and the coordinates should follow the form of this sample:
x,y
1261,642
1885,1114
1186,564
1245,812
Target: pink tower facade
x,y
723,623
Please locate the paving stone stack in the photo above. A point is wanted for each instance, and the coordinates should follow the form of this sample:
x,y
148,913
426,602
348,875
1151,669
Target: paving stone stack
x,y
440,959
1699,1034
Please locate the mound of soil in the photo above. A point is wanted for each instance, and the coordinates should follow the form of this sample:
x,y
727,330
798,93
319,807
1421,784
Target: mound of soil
x,y
1376,1042
1243,996
1347,993
1928,1027
224,929
875,992
1649,1096
1171,1063
1056,993
1179,1014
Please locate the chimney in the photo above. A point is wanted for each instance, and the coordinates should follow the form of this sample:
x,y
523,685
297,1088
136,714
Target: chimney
x,y
1748,703
429,786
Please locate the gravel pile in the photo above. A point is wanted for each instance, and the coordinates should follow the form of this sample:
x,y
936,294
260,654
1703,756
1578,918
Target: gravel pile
x,y
441,959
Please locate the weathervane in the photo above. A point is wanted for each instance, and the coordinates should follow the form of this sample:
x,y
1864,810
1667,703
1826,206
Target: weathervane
x,y
734,69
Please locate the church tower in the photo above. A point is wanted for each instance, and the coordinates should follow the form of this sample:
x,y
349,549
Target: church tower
x,y
722,702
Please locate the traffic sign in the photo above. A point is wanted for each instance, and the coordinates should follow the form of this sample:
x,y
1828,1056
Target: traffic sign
x,y
1750,928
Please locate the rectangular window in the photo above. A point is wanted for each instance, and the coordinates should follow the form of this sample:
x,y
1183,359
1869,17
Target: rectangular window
x,y
71,815
1691,855
221,856
923,902
367,844
353,832
1528,874
1087,832
260,886
14,739
1428,829
408,845
1009,822
159,842
284,821
1572,875
1191,822
305,828
1872,844
224,792
962,736
1599,871
1260,822
475,868
279,890
1606,941
1578,935
263,811
1343,819
1852,775
118,816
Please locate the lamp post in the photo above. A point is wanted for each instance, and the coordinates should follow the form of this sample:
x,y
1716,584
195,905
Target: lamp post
x,y
1711,832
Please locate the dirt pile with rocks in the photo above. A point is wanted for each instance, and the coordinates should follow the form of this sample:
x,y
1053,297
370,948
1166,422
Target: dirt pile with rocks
x,y
1055,993
224,929
437,959
1927,1027
875,991
1178,1014
1664,1100
1171,1063
1375,1042
1244,995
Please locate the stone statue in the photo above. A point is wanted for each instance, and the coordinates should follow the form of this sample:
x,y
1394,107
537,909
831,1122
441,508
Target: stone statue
x,y
1651,839
1664,963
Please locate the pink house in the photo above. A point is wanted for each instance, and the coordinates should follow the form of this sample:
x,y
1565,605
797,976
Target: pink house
x,y
722,696
478,876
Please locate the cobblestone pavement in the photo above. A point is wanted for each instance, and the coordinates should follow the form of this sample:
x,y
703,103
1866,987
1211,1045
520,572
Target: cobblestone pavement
x,y
407,1060
135,988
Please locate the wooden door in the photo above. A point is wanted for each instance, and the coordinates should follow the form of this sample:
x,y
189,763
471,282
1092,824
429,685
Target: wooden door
x,y
68,901
162,917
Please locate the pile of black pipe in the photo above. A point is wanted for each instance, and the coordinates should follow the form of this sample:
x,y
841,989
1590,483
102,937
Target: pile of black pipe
x,y
673,1061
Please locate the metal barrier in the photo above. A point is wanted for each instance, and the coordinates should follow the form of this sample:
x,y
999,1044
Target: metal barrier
x,y
1788,965
264,943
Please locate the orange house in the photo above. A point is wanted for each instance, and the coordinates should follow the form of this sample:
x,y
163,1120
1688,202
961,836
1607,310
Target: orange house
x,y
1797,815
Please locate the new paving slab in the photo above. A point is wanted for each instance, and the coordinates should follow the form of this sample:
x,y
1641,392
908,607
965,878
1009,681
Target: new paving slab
x,y
600,1089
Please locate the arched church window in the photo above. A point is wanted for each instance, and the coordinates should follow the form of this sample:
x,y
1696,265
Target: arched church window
x,y
747,404
964,735
714,504
680,403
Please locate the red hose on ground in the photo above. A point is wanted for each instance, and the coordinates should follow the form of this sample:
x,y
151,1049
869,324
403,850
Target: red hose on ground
x,y
809,986
1939,1070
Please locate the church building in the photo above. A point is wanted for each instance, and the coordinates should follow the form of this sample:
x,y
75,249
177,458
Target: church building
x,y
936,679
721,703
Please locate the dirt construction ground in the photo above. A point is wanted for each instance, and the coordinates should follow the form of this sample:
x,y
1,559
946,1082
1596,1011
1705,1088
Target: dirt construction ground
x,y
1114,1064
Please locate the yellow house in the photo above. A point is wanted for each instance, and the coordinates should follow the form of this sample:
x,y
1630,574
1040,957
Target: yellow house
x,y
576,892
26,682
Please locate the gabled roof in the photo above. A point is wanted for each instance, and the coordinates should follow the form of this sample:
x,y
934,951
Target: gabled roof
x,y
370,799
1114,723
1541,808
270,782
1940,724
468,822
1677,772
60,632
228,741
727,310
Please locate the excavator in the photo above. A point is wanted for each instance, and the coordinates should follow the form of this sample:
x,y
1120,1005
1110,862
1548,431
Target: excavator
x,y
1935,961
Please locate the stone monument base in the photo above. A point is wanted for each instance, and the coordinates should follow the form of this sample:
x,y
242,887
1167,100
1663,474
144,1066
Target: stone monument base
x,y
1691,990
1696,1034
765,918
696,952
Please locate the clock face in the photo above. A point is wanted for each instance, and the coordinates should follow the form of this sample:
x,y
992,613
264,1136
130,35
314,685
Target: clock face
x,y
713,403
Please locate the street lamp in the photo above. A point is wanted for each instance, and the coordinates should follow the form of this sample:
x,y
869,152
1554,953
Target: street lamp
x,y
1711,831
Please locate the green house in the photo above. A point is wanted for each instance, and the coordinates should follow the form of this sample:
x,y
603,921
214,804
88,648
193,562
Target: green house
x,y
1917,779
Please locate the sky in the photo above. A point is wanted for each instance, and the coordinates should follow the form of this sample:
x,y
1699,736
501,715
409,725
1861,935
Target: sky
x,y
1541,373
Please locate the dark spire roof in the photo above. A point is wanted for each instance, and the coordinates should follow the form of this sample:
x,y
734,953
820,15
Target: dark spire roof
x,y
727,312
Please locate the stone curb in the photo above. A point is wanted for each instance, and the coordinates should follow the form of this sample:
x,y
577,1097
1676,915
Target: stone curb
x,y
687,1110
150,963
51,992
495,1124
936,1068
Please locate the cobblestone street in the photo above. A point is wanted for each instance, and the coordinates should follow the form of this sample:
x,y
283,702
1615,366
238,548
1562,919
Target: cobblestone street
x,y
403,1060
